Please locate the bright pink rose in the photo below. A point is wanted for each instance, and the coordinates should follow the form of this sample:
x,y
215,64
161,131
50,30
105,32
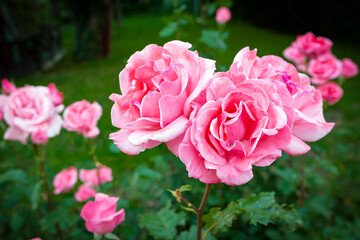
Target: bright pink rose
x,y
157,85
65,180
349,68
39,137
30,109
3,101
82,117
331,92
100,215
247,116
55,95
7,87
312,46
84,192
92,176
295,55
324,68
223,15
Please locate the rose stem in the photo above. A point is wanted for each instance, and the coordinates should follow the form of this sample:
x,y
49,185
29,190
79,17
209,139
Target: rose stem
x,y
94,158
201,211
41,159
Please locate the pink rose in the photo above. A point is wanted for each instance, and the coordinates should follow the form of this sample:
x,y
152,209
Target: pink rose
x,y
84,192
65,180
92,176
223,15
295,55
30,109
100,215
39,137
35,238
247,116
82,117
157,85
3,101
55,95
312,46
324,68
331,92
7,87
349,68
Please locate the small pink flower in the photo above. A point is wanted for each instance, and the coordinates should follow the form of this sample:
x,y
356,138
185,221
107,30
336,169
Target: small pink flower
x,y
100,215
331,92
295,55
324,68
39,137
84,192
223,15
65,180
92,176
349,68
55,95
312,46
82,117
7,86
3,101
30,109
35,238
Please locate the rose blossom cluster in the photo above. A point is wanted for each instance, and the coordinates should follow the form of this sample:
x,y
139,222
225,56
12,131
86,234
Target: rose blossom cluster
x,y
100,215
219,124
313,55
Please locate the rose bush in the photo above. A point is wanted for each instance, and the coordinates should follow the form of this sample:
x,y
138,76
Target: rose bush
x,y
30,109
100,215
157,86
247,116
82,117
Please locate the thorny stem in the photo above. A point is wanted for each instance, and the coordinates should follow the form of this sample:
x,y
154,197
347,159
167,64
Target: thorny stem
x,y
40,157
187,202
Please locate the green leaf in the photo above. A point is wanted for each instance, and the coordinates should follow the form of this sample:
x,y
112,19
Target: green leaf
x,y
163,223
214,39
14,175
53,218
35,195
176,193
168,30
113,148
191,234
260,208
97,236
111,236
185,188
221,221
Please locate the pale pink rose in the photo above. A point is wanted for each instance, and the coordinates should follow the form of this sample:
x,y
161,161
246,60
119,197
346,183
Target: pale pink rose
x,y
312,46
55,95
39,137
65,180
84,192
223,15
324,68
7,87
30,109
349,68
92,176
295,55
3,101
331,92
157,85
82,117
100,215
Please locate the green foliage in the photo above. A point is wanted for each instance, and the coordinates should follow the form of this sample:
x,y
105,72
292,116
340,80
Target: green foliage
x,y
214,39
163,223
191,234
260,209
14,175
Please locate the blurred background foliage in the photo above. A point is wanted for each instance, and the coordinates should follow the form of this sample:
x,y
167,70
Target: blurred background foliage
x,y
323,184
